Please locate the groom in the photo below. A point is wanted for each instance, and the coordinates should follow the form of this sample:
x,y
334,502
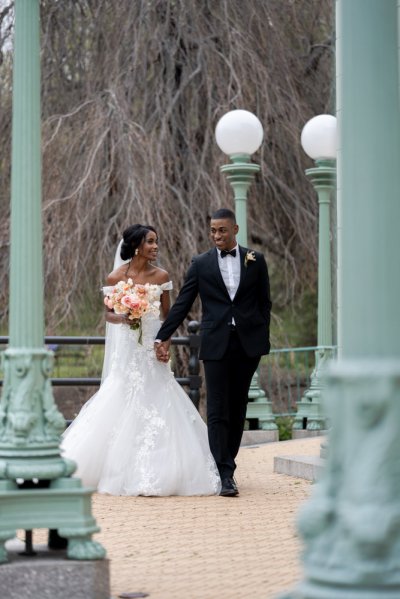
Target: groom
x,y
233,285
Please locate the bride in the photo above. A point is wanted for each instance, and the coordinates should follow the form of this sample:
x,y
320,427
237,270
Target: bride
x,y
140,434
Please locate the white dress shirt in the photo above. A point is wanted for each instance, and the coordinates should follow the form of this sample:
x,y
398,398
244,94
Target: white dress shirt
x,y
230,271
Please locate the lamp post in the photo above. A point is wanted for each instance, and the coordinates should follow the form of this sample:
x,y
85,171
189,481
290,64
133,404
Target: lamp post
x,y
30,423
239,134
318,139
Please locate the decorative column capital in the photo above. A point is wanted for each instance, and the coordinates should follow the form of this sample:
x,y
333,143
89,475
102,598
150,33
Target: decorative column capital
x,y
240,172
323,177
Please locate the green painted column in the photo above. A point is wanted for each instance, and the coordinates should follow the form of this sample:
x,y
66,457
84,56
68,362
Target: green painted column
x,y
370,179
30,423
350,525
26,272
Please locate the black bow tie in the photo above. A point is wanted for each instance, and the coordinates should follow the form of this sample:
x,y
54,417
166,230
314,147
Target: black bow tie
x,y
230,252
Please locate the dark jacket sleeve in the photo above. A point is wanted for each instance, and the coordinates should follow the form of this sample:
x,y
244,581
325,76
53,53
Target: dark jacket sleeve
x,y
181,307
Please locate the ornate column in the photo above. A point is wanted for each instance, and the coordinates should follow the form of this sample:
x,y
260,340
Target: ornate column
x,y
30,423
350,526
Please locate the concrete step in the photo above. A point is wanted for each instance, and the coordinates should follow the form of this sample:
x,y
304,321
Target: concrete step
x,y
307,467
257,437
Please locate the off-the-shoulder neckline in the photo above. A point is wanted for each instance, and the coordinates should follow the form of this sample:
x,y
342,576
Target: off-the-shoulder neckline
x,y
167,283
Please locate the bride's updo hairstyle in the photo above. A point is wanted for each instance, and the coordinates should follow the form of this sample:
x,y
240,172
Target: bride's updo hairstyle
x,y
132,238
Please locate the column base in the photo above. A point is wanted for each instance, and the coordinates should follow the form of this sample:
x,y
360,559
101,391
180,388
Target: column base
x,y
64,506
30,423
310,414
259,407
262,411
50,574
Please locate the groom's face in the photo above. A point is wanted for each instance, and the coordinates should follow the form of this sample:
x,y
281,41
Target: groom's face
x,y
223,233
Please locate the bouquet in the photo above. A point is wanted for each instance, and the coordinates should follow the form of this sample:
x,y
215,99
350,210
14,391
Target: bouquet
x,y
134,300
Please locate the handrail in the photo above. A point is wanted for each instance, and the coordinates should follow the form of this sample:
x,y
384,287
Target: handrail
x,y
60,340
284,375
302,349
193,381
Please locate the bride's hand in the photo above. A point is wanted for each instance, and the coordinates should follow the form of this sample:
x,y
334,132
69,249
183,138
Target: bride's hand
x,y
116,318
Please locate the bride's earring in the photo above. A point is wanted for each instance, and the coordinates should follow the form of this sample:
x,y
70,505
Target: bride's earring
x,y
136,252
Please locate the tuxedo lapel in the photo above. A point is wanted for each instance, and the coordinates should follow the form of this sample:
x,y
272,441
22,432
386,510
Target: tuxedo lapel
x,y
243,269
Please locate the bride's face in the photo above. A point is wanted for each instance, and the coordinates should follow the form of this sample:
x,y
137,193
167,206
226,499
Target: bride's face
x,y
149,246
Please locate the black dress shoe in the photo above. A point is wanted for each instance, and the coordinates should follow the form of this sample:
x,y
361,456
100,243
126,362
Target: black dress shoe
x,y
229,488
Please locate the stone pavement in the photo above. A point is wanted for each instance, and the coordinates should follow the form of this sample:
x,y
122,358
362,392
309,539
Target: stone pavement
x,y
210,547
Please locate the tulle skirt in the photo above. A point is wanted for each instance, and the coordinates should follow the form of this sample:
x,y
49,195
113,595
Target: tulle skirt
x,y
140,434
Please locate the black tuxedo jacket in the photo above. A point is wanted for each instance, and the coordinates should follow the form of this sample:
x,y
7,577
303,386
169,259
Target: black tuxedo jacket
x,y
250,307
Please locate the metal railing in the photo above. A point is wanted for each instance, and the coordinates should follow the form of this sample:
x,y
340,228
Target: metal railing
x,y
192,341
284,375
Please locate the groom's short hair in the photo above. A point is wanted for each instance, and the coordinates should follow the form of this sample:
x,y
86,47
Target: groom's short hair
x,y
224,213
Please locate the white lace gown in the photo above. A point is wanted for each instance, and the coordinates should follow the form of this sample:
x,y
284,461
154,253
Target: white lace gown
x,y
140,434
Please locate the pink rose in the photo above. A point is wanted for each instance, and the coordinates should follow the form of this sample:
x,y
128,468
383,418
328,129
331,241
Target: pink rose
x,y
130,302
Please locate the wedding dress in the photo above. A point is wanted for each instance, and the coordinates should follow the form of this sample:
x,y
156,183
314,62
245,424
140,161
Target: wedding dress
x,y
140,434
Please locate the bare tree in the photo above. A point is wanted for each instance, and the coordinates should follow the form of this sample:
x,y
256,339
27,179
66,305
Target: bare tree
x,y
131,93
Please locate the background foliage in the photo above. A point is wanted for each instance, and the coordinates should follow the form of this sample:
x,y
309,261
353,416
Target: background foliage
x,y
131,94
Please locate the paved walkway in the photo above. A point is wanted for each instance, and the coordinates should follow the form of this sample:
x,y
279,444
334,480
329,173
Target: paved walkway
x,y
210,547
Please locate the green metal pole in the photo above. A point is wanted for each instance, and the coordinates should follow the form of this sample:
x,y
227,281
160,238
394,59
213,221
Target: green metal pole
x,y
26,278
240,173
310,415
30,423
350,525
324,190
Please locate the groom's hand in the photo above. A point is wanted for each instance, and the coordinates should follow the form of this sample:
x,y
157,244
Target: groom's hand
x,y
162,350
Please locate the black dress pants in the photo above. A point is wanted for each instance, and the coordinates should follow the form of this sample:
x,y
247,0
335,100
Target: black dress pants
x,y
228,381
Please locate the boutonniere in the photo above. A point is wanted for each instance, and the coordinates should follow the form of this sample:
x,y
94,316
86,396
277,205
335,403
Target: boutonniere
x,y
250,256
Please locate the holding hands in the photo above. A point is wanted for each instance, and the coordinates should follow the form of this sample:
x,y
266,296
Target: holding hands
x,y
162,350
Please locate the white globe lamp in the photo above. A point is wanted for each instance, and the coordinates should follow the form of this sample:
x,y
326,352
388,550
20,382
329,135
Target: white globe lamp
x,y
318,137
239,132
